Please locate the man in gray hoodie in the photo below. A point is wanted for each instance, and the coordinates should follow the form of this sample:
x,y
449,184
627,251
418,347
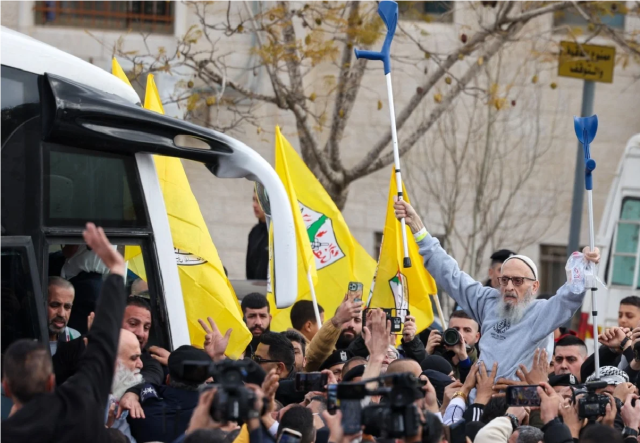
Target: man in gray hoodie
x,y
513,323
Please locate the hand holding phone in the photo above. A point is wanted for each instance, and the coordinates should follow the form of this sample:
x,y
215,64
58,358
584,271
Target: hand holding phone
x,y
355,291
523,395
311,381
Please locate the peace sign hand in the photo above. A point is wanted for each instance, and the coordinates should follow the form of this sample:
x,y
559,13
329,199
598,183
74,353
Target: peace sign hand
x,y
215,344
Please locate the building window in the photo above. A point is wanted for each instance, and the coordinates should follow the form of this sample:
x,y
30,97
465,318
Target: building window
x,y
440,11
552,274
625,268
144,16
608,13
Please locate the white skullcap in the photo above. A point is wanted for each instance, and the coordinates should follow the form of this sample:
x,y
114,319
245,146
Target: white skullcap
x,y
527,261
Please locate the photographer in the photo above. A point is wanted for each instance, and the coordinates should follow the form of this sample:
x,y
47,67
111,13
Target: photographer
x,y
464,353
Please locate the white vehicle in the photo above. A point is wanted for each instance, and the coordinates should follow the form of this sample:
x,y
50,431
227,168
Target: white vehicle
x,y
77,147
617,238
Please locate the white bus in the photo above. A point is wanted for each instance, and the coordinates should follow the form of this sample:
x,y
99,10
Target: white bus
x,y
618,240
77,147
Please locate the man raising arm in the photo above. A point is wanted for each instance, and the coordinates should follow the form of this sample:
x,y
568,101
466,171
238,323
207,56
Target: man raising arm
x,y
513,324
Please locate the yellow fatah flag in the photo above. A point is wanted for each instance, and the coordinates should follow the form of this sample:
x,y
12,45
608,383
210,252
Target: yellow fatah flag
x,y
306,259
339,258
398,287
117,70
206,291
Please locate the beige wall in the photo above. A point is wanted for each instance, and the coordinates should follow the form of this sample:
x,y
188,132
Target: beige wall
x,y
226,204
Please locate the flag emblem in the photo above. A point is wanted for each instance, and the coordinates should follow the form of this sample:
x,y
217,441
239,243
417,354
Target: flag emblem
x,y
185,258
400,296
322,237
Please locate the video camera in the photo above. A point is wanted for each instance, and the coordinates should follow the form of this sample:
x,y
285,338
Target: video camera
x,y
592,405
233,401
396,416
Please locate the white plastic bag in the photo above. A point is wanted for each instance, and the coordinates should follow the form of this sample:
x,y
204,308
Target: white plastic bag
x,y
580,273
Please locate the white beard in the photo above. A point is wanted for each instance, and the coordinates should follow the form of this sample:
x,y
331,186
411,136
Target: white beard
x,y
514,312
124,379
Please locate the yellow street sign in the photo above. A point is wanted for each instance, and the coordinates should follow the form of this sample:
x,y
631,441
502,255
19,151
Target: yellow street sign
x,y
588,62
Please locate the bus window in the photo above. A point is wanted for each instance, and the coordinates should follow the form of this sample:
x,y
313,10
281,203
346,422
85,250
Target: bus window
x,y
83,185
80,266
21,296
626,252
20,99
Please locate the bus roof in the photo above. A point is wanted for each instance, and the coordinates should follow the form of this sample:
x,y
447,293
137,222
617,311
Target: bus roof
x,y
28,54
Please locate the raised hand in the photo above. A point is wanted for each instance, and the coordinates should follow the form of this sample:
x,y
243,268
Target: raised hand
x,y
99,243
376,333
569,412
612,338
592,256
347,310
409,330
201,418
215,344
405,210
485,382
631,414
549,402
160,354
433,342
539,372
623,390
611,412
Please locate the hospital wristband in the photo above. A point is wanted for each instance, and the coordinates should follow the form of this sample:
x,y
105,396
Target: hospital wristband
x,y
421,234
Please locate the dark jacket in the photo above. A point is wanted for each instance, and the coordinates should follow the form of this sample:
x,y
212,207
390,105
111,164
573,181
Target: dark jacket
x,y
75,411
257,263
414,349
167,413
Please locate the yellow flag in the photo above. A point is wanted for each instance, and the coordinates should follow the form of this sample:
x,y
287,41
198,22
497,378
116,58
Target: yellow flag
x,y
398,287
339,258
206,290
116,70
306,259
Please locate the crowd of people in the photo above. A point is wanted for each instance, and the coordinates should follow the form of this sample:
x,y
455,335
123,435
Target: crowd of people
x,y
106,384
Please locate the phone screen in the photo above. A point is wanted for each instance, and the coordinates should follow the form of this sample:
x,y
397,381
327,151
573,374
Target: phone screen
x,y
332,399
311,381
523,395
351,416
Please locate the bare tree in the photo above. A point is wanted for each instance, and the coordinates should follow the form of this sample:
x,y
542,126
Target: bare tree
x,y
293,41
477,169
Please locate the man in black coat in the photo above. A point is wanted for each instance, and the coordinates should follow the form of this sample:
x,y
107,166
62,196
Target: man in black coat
x,y
257,263
75,411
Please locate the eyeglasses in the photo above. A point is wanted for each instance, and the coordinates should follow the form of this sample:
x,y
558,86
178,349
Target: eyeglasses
x,y
517,281
261,360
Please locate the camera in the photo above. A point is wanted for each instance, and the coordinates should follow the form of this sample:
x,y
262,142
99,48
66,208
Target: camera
x,y
451,337
592,405
395,417
233,401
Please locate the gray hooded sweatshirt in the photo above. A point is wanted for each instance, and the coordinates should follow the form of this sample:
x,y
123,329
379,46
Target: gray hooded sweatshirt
x,y
508,344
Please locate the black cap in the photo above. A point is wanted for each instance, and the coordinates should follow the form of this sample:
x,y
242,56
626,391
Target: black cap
x,y
437,363
501,255
356,371
338,357
187,353
563,380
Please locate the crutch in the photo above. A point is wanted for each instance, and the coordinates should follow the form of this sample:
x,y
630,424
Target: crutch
x,y
586,128
388,11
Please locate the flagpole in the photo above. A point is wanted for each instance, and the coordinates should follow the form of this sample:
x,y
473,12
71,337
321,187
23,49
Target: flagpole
x,y
439,309
313,298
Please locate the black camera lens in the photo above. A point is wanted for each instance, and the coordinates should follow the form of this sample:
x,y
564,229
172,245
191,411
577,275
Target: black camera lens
x,y
451,337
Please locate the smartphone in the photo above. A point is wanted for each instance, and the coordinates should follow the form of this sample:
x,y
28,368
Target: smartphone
x,y
311,381
526,395
289,436
332,399
351,416
396,322
355,291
